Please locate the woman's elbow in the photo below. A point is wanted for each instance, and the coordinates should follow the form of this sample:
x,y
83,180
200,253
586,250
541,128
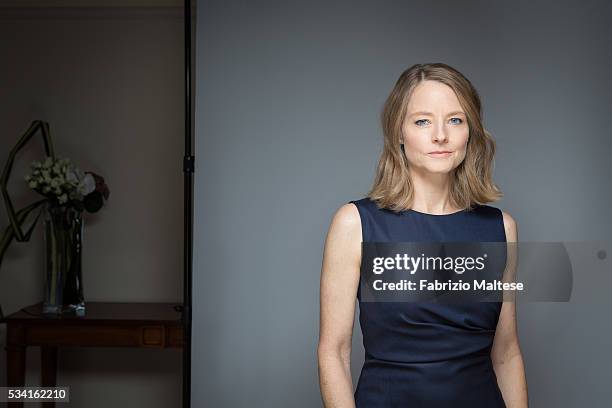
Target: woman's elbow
x,y
333,351
509,352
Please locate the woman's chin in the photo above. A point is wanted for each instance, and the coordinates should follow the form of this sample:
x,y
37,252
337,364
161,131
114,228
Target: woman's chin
x,y
441,169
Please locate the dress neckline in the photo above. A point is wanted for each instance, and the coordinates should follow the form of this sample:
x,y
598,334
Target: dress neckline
x,y
437,215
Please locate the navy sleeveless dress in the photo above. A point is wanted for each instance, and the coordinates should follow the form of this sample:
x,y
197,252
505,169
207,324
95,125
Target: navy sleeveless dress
x,y
426,354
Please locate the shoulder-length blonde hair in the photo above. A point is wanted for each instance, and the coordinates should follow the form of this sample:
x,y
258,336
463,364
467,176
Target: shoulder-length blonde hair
x,y
471,181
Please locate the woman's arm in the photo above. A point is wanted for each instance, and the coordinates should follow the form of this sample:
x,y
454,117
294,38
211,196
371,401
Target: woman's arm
x,y
506,352
339,281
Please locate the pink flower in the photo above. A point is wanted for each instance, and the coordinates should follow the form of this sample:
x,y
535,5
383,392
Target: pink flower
x,y
101,186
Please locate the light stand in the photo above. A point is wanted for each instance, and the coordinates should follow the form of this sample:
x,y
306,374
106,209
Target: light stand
x,y
188,168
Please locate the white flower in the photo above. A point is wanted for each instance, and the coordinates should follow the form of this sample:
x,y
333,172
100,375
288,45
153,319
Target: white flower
x,y
87,185
71,175
80,173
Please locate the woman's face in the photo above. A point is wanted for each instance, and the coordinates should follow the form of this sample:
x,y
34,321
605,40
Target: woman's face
x,y
435,122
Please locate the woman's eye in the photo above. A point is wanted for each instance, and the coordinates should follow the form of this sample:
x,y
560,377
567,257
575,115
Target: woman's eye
x,y
421,122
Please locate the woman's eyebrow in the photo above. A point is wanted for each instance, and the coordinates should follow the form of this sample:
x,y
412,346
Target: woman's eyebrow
x,y
431,114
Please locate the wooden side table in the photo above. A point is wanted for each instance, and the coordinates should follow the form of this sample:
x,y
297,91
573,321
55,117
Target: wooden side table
x,y
156,325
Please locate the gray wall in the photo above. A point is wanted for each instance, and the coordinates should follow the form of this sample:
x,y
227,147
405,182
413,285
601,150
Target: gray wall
x,y
110,83
287,131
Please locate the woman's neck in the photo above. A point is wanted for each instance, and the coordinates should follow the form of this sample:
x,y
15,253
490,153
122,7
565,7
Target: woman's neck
x,y
431,193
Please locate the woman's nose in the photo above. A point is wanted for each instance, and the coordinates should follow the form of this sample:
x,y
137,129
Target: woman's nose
x,y
440,136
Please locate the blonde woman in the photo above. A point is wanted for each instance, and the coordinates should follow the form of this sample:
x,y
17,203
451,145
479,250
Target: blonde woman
x,y
433,183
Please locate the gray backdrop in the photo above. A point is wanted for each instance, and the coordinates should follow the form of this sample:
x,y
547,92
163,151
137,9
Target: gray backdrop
x,y
287,106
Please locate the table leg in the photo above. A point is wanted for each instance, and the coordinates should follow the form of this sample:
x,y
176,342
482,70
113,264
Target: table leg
x,y
48,357
15,369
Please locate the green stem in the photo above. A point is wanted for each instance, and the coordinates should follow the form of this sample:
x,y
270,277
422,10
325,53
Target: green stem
x,y
54,266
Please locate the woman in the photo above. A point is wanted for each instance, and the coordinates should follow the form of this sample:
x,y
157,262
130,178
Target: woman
x,y
432,184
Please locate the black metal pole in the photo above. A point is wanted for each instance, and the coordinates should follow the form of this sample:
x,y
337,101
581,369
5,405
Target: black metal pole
x,y
188,168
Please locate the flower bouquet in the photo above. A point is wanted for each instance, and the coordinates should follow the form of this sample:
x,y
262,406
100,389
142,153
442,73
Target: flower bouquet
x,y
67,192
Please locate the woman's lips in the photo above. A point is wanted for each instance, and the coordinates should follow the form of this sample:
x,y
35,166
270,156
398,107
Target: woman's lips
x,y
439,154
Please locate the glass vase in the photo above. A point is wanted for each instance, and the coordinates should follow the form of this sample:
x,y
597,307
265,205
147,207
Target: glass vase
x,y
63,237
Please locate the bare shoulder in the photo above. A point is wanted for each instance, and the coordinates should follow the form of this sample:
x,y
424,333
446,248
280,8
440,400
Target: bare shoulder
x,y
342,251
510,227
345,227
347,217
